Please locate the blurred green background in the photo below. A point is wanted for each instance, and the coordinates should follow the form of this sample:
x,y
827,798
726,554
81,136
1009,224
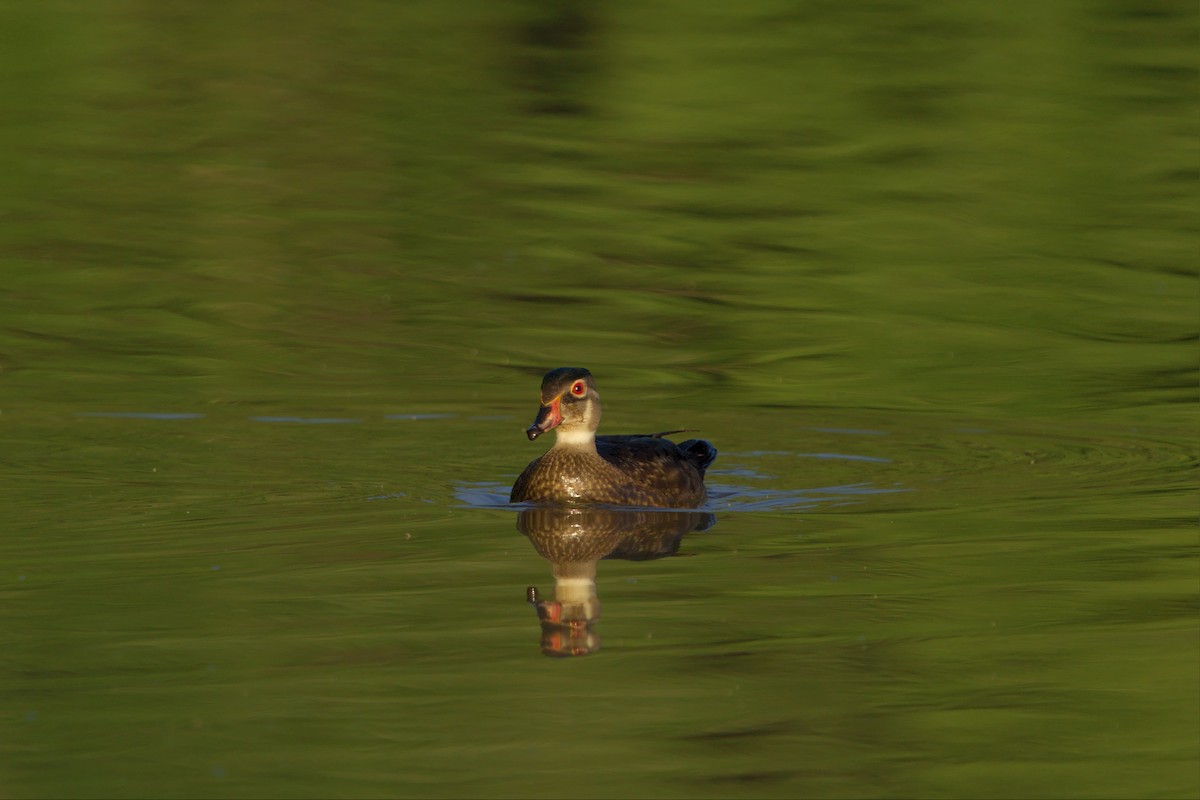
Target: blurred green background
x,y
889,205
925,273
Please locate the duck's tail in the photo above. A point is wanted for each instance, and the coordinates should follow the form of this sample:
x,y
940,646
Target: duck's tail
x,y
699,452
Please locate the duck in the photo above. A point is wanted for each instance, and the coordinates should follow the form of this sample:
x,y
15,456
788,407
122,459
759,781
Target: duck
x,y
646,470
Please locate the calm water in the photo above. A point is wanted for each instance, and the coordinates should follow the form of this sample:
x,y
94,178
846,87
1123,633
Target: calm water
x,y
277,286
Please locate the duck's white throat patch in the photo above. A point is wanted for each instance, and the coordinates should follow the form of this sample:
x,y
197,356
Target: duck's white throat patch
x,y
575,437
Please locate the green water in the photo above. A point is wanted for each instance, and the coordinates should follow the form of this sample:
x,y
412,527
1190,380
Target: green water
x,y
277,285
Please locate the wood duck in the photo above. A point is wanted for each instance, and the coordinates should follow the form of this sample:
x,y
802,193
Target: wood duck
x,y
630,470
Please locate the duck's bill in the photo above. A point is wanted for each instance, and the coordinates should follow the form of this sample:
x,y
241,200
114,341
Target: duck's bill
x,y
548,418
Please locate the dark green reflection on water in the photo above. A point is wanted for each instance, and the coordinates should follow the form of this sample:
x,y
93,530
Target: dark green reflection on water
x,y
275,280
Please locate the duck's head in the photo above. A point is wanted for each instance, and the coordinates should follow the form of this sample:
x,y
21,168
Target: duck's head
x,y
570,403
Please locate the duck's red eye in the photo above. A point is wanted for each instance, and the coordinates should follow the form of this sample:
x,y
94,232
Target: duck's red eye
x,y
579,388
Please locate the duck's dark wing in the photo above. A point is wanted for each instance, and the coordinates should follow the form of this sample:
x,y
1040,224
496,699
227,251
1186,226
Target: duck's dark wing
x,y
623,449
653,470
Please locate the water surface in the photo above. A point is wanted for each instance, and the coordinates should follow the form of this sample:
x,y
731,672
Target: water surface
x,y
278,286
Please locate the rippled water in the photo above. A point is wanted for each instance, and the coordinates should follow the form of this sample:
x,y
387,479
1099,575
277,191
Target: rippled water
x,y
278,288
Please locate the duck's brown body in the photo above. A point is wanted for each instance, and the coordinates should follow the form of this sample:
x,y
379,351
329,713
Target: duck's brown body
x,y
619,470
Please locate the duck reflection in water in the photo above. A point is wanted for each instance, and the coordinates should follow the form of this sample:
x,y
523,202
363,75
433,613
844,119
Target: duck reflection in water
x,y
573,540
